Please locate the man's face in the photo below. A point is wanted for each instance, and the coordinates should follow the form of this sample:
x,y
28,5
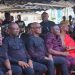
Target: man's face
x,y
56,30
45,17
37,28
19,17
14,30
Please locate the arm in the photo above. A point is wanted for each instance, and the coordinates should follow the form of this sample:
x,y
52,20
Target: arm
x,y
24,48
6,45
30,63
7,64
50,43
53,52
8,67
70,48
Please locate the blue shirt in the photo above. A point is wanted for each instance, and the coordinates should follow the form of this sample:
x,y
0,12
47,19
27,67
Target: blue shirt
x,y
16,49
36,48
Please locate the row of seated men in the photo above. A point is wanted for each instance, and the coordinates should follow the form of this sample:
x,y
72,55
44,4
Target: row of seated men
x,y
31,55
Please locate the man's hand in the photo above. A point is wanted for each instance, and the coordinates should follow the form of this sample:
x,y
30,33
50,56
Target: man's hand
x,y
65,53
47,58
30,63
9,72
23,64
50,57
70,48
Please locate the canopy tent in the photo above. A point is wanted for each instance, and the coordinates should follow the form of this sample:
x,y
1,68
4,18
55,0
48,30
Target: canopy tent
x,y
56,8
35,6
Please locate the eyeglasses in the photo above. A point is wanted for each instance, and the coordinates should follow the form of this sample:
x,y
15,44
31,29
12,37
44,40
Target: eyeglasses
x,y
38,27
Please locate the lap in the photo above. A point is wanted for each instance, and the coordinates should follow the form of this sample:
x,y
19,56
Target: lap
x,y
28,71
39,67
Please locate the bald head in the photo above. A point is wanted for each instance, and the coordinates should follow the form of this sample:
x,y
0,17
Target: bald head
x,y
34,24
13,29
12,24
36,27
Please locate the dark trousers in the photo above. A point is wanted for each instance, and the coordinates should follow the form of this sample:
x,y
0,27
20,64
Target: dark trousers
x,y
16,70
63,64
38,69
1,72
49,64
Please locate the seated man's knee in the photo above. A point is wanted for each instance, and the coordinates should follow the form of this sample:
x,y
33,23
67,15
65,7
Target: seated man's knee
x,y
50,62
1,73
42,68
28,71
38,67
63,60
16,70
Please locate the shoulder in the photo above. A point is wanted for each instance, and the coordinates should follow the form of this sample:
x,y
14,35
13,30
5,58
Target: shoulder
x,y
51,22
6,38
31,37
16,21
50,34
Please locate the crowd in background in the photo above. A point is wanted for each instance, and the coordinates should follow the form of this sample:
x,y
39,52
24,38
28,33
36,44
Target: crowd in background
x,y
39,48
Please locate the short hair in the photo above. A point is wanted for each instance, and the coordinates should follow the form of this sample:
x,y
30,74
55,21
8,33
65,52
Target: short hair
x,y
19,15
64,16
29,25
70,16
44,13
7,14
34,24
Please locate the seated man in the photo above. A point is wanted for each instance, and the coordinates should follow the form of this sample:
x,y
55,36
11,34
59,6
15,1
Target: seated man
x,y
4,60
37,50
18,55
54,46
25,36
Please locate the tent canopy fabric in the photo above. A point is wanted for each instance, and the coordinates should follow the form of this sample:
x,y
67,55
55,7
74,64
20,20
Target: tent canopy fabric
x,y
31,4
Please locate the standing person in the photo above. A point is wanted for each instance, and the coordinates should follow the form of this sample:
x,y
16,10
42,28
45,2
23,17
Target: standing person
x,y
70,20
7,18
20,23
26,35
6,23
37,49
54,46
12,18
18,55
63,18
46,24
4,60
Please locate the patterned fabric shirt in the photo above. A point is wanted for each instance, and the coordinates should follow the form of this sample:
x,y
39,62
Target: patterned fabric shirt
x,y
36,47
53,42
16,49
